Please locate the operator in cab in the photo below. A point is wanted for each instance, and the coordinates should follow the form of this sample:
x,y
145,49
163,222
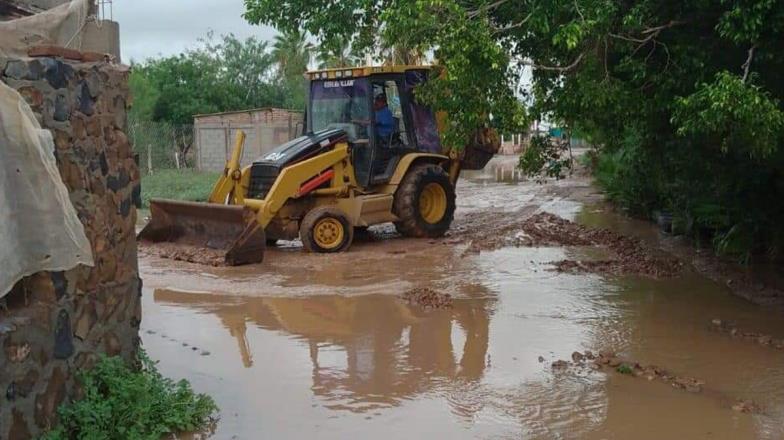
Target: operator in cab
x,y
385,122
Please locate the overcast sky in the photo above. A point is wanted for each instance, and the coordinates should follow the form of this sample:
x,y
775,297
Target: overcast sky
x,y
149,28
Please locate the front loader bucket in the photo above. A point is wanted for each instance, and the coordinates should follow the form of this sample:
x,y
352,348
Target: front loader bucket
x,y
229,228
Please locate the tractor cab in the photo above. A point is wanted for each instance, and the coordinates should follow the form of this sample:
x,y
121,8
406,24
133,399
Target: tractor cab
x,y
376,108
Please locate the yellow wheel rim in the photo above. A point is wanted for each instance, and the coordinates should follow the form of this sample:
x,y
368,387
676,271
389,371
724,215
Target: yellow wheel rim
x,y
432,203
328,233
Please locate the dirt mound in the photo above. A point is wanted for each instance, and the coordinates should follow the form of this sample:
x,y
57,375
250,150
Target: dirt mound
x,y
428,298
630,256
181,252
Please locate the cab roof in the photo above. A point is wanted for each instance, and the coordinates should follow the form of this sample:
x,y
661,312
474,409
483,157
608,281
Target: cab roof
x,y
362,71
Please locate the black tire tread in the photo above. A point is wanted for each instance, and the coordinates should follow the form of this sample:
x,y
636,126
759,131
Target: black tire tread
x,y
406,203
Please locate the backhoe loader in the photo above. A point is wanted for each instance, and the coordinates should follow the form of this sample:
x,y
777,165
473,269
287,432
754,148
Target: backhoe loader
x,y
371,154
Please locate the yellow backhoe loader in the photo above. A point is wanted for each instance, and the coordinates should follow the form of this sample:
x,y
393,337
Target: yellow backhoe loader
x,y
371,154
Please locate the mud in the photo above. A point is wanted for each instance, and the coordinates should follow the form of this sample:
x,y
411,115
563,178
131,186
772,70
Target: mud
x,y
628,255
323,346
183,252
428,298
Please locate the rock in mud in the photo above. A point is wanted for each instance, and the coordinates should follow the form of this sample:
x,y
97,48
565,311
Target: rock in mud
x,y
428,298
747,406
560,364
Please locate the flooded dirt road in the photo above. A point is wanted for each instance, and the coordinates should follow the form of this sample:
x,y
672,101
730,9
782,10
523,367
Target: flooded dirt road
x,y
313,346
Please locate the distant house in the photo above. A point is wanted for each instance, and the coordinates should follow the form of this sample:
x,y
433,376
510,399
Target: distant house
x,y
266,128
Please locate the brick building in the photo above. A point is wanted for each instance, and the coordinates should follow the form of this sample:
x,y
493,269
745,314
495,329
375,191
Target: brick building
x,y
266,128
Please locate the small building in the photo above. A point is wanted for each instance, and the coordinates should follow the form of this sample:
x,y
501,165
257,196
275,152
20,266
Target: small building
x,y
266,128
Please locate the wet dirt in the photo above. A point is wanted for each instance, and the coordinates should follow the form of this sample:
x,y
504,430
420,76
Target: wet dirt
x,y
428,298
183,252
323,346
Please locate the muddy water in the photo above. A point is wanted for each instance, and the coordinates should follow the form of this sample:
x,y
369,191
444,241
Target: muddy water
x,y
313,346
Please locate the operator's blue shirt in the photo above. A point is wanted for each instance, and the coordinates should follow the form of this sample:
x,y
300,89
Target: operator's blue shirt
x,y
385,123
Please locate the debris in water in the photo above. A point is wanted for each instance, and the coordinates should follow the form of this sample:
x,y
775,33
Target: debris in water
x,y
608,359
429,298
760,338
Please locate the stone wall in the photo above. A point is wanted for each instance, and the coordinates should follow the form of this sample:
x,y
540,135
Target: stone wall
x,y
54,324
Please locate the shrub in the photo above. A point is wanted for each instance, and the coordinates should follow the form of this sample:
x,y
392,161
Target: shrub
x,y
121,402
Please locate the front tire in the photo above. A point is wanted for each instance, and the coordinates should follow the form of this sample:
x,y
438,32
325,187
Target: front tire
x,y
326,230
424,202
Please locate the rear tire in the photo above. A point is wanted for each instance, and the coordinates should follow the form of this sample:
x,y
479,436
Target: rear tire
x,y
326,230
424,202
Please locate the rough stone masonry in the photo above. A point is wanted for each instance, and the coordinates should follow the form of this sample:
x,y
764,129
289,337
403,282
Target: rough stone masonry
x,y
57,323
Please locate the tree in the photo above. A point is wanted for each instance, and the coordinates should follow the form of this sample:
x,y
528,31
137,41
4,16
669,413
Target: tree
x,y
338,54
223,75
476,90
292,53
683,97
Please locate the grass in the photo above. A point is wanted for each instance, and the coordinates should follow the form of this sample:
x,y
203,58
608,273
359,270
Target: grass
x,y
183,184
121,402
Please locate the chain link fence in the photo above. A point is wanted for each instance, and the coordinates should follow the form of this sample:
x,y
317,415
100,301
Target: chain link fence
x,y
161,145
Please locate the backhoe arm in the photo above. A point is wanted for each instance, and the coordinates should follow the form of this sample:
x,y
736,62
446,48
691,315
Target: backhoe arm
x,y
228,189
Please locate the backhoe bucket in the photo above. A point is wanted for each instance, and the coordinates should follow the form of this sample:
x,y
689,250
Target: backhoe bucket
x,y
229,228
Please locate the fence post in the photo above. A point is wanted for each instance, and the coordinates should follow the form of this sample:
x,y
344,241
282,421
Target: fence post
x,y
149,159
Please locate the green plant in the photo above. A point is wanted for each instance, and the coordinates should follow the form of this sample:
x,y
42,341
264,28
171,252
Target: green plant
x,y
185,184
121,402
624,369
545,158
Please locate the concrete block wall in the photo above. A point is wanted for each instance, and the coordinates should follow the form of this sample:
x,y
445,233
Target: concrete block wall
x,y
57,323
265,129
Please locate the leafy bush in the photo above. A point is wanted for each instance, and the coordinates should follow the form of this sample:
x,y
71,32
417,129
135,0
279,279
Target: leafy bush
x,y
125,403
545,158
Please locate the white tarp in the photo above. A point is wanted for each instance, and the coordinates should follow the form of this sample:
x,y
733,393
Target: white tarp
x,y
60,26
39,228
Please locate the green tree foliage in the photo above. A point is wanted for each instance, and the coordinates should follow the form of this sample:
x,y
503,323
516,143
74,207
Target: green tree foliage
x,y
223,75
683,98
476,89
292,53
124,403
340,54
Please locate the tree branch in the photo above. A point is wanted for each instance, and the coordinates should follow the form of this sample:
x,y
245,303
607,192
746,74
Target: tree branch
x,y
562,69
747,65
476,12
513,26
